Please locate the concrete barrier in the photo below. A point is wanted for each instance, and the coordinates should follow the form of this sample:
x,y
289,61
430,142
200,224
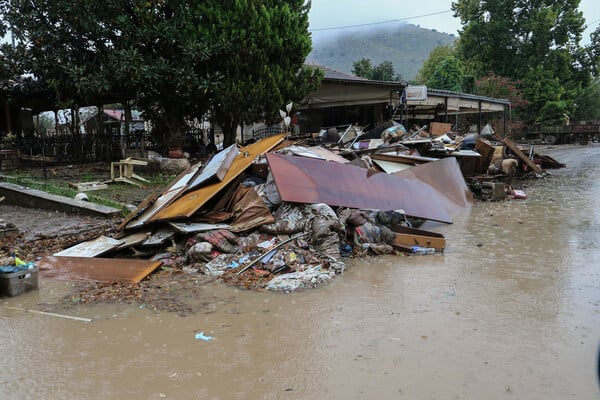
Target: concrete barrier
x,y
33,198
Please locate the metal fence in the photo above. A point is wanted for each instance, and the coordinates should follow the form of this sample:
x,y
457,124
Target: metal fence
x,y
107,147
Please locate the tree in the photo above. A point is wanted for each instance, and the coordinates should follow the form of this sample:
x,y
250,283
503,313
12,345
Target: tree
x,y
587,104
263,64
501,88
381,72
436,56
363,68
593,52
447,75
536,42
174,58
92,52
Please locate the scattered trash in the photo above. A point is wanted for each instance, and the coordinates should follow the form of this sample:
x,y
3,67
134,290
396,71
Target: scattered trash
x,y
201,336
423,250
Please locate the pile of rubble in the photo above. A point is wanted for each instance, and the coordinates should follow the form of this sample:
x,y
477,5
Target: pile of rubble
x,y
282,213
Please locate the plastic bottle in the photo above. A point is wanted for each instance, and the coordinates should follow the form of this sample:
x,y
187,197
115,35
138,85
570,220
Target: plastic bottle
x,y
423,250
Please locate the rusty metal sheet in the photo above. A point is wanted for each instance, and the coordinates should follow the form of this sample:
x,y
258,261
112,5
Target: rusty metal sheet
x,y
91,248
96,269
446,179
304,180
191,202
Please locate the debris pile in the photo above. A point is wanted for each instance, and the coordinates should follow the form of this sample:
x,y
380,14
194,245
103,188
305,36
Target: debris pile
x,y
282,214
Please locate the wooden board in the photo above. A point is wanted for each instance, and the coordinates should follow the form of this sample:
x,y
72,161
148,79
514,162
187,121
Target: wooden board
x,y
97,269
439,128
513,147
91,248
408,237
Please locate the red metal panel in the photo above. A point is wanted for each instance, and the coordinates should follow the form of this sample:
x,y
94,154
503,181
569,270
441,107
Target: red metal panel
x,y
305,180
445,177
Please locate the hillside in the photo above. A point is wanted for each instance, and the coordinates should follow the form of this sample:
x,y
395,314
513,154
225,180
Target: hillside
x,y
406,46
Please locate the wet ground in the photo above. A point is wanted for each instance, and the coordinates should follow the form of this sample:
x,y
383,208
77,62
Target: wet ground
x,y
511,310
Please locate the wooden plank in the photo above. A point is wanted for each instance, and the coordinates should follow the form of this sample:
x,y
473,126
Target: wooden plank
x,y
407,240
97,269
439,128
192,201
513,147
91,248
406,237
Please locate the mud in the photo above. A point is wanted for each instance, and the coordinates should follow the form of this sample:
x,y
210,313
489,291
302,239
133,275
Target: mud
x,y
510,310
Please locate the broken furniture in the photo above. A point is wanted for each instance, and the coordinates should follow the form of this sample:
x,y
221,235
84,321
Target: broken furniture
x,y
126,174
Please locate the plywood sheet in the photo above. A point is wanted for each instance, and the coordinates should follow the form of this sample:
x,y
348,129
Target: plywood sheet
x,y
191,202
91,248
96,269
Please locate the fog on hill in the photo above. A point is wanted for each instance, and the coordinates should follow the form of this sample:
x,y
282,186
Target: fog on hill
x,y
407,46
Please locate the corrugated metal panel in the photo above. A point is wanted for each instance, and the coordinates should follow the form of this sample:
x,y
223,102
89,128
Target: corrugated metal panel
x,y
304,180
191,202
97,269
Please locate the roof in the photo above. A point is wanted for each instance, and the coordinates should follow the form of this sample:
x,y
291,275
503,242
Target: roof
x,y
119,115
331,73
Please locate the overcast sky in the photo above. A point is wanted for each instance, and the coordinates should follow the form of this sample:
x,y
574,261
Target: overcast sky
x,y
338,13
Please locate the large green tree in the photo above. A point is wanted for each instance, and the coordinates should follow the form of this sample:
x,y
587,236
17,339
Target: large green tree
x,y
447,75
263,64
176,59
94,52
436,56
535,41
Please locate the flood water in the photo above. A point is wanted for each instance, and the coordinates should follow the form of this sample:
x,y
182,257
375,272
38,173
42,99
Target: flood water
x,y
510,310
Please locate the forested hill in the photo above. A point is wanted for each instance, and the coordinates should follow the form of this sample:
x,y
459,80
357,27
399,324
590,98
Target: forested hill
x,y
406,46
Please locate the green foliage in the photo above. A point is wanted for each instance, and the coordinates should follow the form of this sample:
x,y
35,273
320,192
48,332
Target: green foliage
x,y
553,113
436,56
263,63
587,105
382,72
501,88
593,52
536,42
363,68
176,59
447,75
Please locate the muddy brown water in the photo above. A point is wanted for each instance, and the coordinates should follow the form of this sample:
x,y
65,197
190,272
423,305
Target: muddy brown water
x,y
510,310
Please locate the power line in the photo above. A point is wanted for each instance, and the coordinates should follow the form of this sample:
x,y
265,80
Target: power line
x,y
594,21
380,22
